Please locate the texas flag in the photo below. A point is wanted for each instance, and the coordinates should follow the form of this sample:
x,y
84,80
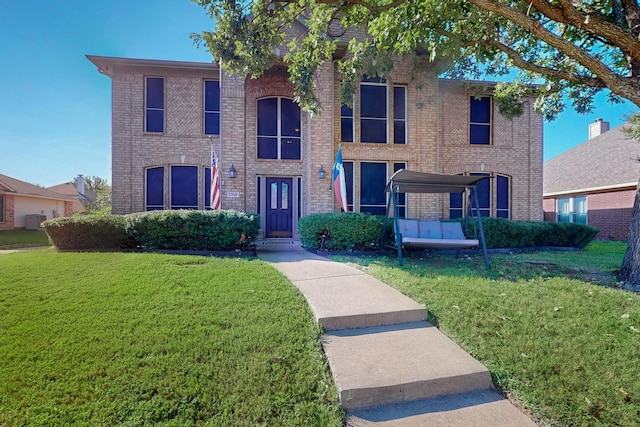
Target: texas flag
x,y
339,182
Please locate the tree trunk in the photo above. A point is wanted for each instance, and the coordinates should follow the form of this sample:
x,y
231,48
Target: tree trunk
x,y
630,270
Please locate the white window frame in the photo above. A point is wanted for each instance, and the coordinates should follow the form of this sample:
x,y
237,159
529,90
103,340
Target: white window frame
x,y
406,114
571,202
164,104
386,110
279,137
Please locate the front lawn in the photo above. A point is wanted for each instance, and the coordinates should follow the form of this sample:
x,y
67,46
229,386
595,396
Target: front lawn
x,y
147,339
564,348
12,239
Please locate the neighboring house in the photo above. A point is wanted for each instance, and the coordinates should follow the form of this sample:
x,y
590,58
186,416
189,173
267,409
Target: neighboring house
x,y
80,192
167,115
595,182
24,205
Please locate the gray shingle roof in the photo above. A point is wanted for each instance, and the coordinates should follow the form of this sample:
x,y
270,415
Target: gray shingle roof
x,y
607,160
10,185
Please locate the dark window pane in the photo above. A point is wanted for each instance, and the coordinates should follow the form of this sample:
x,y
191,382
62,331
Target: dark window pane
x,y
207,188
502,214
480,134
373,131
373,179
155,121
373,101
483,191
184,187
374,210
481,110
155,188
348,177
346,111
502,201
399,136
155,92
346,130
211,96
267,148
268,117
455,200
212,123
290,118
402,197
455,213
290,148
399,101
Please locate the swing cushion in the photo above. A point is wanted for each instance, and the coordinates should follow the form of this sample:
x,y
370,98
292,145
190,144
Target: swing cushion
x,y
434,234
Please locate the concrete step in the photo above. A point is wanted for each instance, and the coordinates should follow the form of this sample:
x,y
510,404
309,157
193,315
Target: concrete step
x,y
341,296
400,363
484,408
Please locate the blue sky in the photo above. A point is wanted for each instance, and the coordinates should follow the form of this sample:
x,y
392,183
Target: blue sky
x,y
55,108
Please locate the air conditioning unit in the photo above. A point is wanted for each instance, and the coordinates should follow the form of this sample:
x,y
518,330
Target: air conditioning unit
x,y
32,222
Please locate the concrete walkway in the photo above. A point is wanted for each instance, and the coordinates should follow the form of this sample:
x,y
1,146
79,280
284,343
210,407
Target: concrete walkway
x,y
391,367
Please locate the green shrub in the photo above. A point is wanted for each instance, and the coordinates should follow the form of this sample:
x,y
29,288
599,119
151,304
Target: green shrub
x,y
192,230
86,232
344,231
504,233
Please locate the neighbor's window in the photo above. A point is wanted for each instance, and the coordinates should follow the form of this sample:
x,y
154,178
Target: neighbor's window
x,y
373,179
1,208
211,107
154,189
572,209
184,187
279,123
480,120
373,111
154,104
399,114
346,123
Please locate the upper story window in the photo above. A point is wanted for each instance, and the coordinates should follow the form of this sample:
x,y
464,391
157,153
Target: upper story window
x,y
211,107
154,104
279,125
346,123
373,111
480,120
572,209
399,114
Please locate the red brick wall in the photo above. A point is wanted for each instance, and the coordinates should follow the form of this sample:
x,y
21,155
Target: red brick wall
x,y
611,213
549,208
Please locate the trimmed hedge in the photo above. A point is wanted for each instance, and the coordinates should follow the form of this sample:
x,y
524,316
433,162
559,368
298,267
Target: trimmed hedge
x,y
357,231
219,230
343,231
87,232
168,229
504,233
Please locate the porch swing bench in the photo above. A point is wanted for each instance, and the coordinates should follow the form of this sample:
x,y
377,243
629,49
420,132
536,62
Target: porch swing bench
x,y
432,234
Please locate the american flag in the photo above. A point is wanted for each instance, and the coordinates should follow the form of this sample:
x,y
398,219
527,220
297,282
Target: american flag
x,y
215,182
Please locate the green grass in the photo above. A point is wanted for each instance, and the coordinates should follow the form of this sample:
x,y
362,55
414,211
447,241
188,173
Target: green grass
x,y
12,239
565,349
149,339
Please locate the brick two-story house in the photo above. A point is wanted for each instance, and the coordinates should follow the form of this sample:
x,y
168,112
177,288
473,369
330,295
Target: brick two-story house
x,y
168,115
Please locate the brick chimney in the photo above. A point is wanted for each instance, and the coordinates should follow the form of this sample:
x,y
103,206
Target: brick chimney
x,y
598,128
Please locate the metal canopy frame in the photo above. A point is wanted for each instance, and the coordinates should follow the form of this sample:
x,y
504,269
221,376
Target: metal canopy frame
x,y
406,181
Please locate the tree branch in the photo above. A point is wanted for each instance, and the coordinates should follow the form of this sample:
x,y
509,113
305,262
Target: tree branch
x,y
618,84
566,13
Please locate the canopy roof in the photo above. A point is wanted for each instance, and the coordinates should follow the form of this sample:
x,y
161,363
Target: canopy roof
x,y
406,181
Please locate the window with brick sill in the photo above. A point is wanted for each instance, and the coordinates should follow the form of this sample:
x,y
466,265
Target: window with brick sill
x,y
186,189
154,104
480,120
494,197
279,129
211,107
